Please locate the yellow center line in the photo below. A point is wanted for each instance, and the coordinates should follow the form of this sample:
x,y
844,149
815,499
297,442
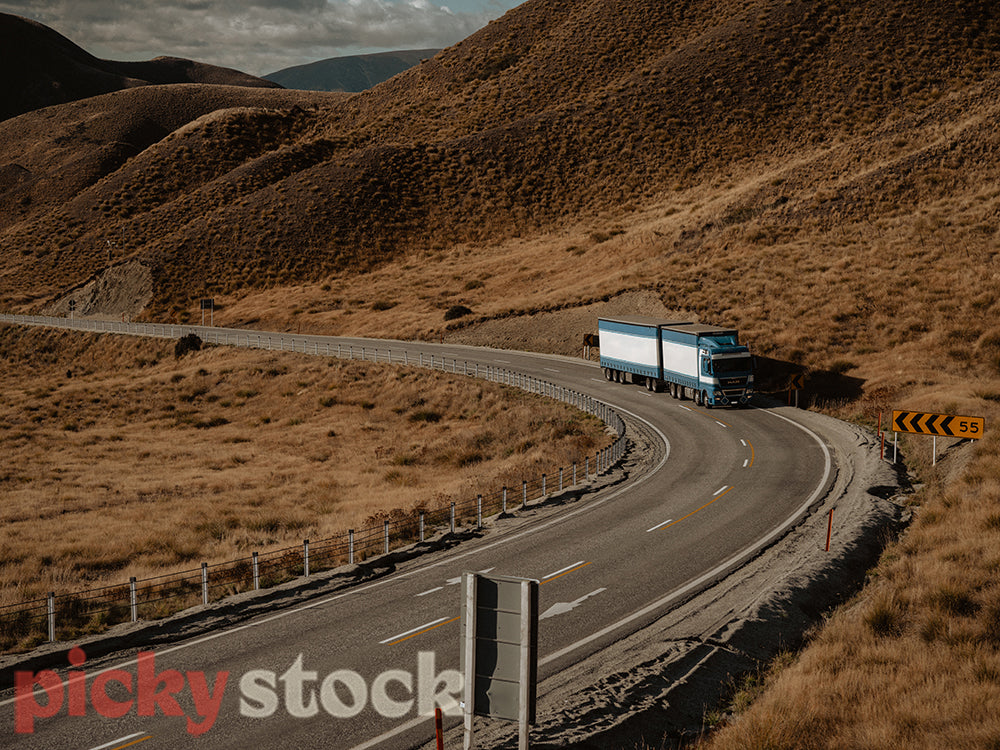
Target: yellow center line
x,y
564,573
752,454
134,742
426,630
714,499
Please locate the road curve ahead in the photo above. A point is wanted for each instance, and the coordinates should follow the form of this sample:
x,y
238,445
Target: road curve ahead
x,y
364,667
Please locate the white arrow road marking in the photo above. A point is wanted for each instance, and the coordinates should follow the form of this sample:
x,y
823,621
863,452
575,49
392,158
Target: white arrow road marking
x,y
660,525
456,581
562,608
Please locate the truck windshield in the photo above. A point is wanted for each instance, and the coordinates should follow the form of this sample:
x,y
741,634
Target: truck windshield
x,y
732,364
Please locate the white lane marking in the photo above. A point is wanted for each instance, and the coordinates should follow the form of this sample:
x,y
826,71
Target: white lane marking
x,y
119,740
695,583
684,408
446,706
746,462
502,361
408,574
431,591
721,424
563,570
721,490
411,632
661,525
743,443
598,380
561,608
549,369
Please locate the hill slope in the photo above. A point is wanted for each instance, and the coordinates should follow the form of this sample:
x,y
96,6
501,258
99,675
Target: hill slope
x,y
820,174
352,73
40,68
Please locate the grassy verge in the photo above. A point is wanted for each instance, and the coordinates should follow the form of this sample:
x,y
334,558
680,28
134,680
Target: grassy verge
x,y
913,661
122,460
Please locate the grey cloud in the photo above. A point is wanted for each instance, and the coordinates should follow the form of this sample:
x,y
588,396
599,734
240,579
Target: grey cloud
x,y
257,36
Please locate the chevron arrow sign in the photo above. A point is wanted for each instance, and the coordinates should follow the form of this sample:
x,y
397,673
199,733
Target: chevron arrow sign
x,y
938,424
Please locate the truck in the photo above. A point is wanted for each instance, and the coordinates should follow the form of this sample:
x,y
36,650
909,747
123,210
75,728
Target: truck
x,y
705,362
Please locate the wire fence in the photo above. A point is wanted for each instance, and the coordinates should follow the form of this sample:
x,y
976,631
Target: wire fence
x,y
68,615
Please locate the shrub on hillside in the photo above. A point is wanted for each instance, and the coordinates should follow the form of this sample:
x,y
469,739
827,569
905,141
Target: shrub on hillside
x,y
185,344
457,311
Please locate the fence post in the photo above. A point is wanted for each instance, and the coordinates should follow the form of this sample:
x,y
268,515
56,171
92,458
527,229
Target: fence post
x,y
350,546
52,616
406,357
453,518
256,573
560,479
421,526
544,493
305,558
586,468
524,493
479,511
504,500
133,601
574,473
204,583
385,535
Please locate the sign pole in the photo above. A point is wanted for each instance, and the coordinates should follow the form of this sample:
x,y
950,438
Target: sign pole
x,y
525,699
934,451
470,656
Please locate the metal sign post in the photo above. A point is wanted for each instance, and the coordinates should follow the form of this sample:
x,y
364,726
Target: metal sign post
x,y
208,303
500,650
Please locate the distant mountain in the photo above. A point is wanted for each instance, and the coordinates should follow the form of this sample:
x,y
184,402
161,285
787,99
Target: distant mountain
x,y
352,74
39,67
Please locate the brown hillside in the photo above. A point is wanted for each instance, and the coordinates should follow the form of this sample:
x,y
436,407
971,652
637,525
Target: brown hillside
x,y
40,68
821,174
558,112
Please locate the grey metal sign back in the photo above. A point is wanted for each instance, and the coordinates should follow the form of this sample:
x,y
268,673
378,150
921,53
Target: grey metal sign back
x,y
500,649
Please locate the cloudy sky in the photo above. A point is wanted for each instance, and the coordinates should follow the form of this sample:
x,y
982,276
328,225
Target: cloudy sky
x,y
258,36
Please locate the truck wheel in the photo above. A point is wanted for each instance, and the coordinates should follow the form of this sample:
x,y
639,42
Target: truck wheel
x,y
705,400
607,373
697,398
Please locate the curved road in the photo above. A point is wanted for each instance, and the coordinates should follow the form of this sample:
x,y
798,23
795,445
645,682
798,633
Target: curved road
x,y
326,674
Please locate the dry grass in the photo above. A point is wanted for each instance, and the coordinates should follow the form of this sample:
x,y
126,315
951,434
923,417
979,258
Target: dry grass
x,y
820,174
914,660
121,460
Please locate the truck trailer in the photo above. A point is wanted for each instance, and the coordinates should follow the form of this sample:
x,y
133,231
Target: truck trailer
x,y
705,362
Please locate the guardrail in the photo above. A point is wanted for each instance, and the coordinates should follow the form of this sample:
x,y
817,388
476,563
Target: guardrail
x,y
26,624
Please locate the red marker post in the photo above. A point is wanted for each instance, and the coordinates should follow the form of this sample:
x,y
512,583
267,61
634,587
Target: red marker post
x,y
438,729
829,530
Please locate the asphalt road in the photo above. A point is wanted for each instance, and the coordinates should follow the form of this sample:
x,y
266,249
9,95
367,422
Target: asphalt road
x,y
356,669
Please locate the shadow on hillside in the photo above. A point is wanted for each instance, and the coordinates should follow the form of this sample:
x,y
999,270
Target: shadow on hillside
x,y
820,387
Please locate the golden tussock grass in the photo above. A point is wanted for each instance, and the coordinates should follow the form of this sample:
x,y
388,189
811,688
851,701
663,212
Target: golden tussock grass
x,y
914,660
121,460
